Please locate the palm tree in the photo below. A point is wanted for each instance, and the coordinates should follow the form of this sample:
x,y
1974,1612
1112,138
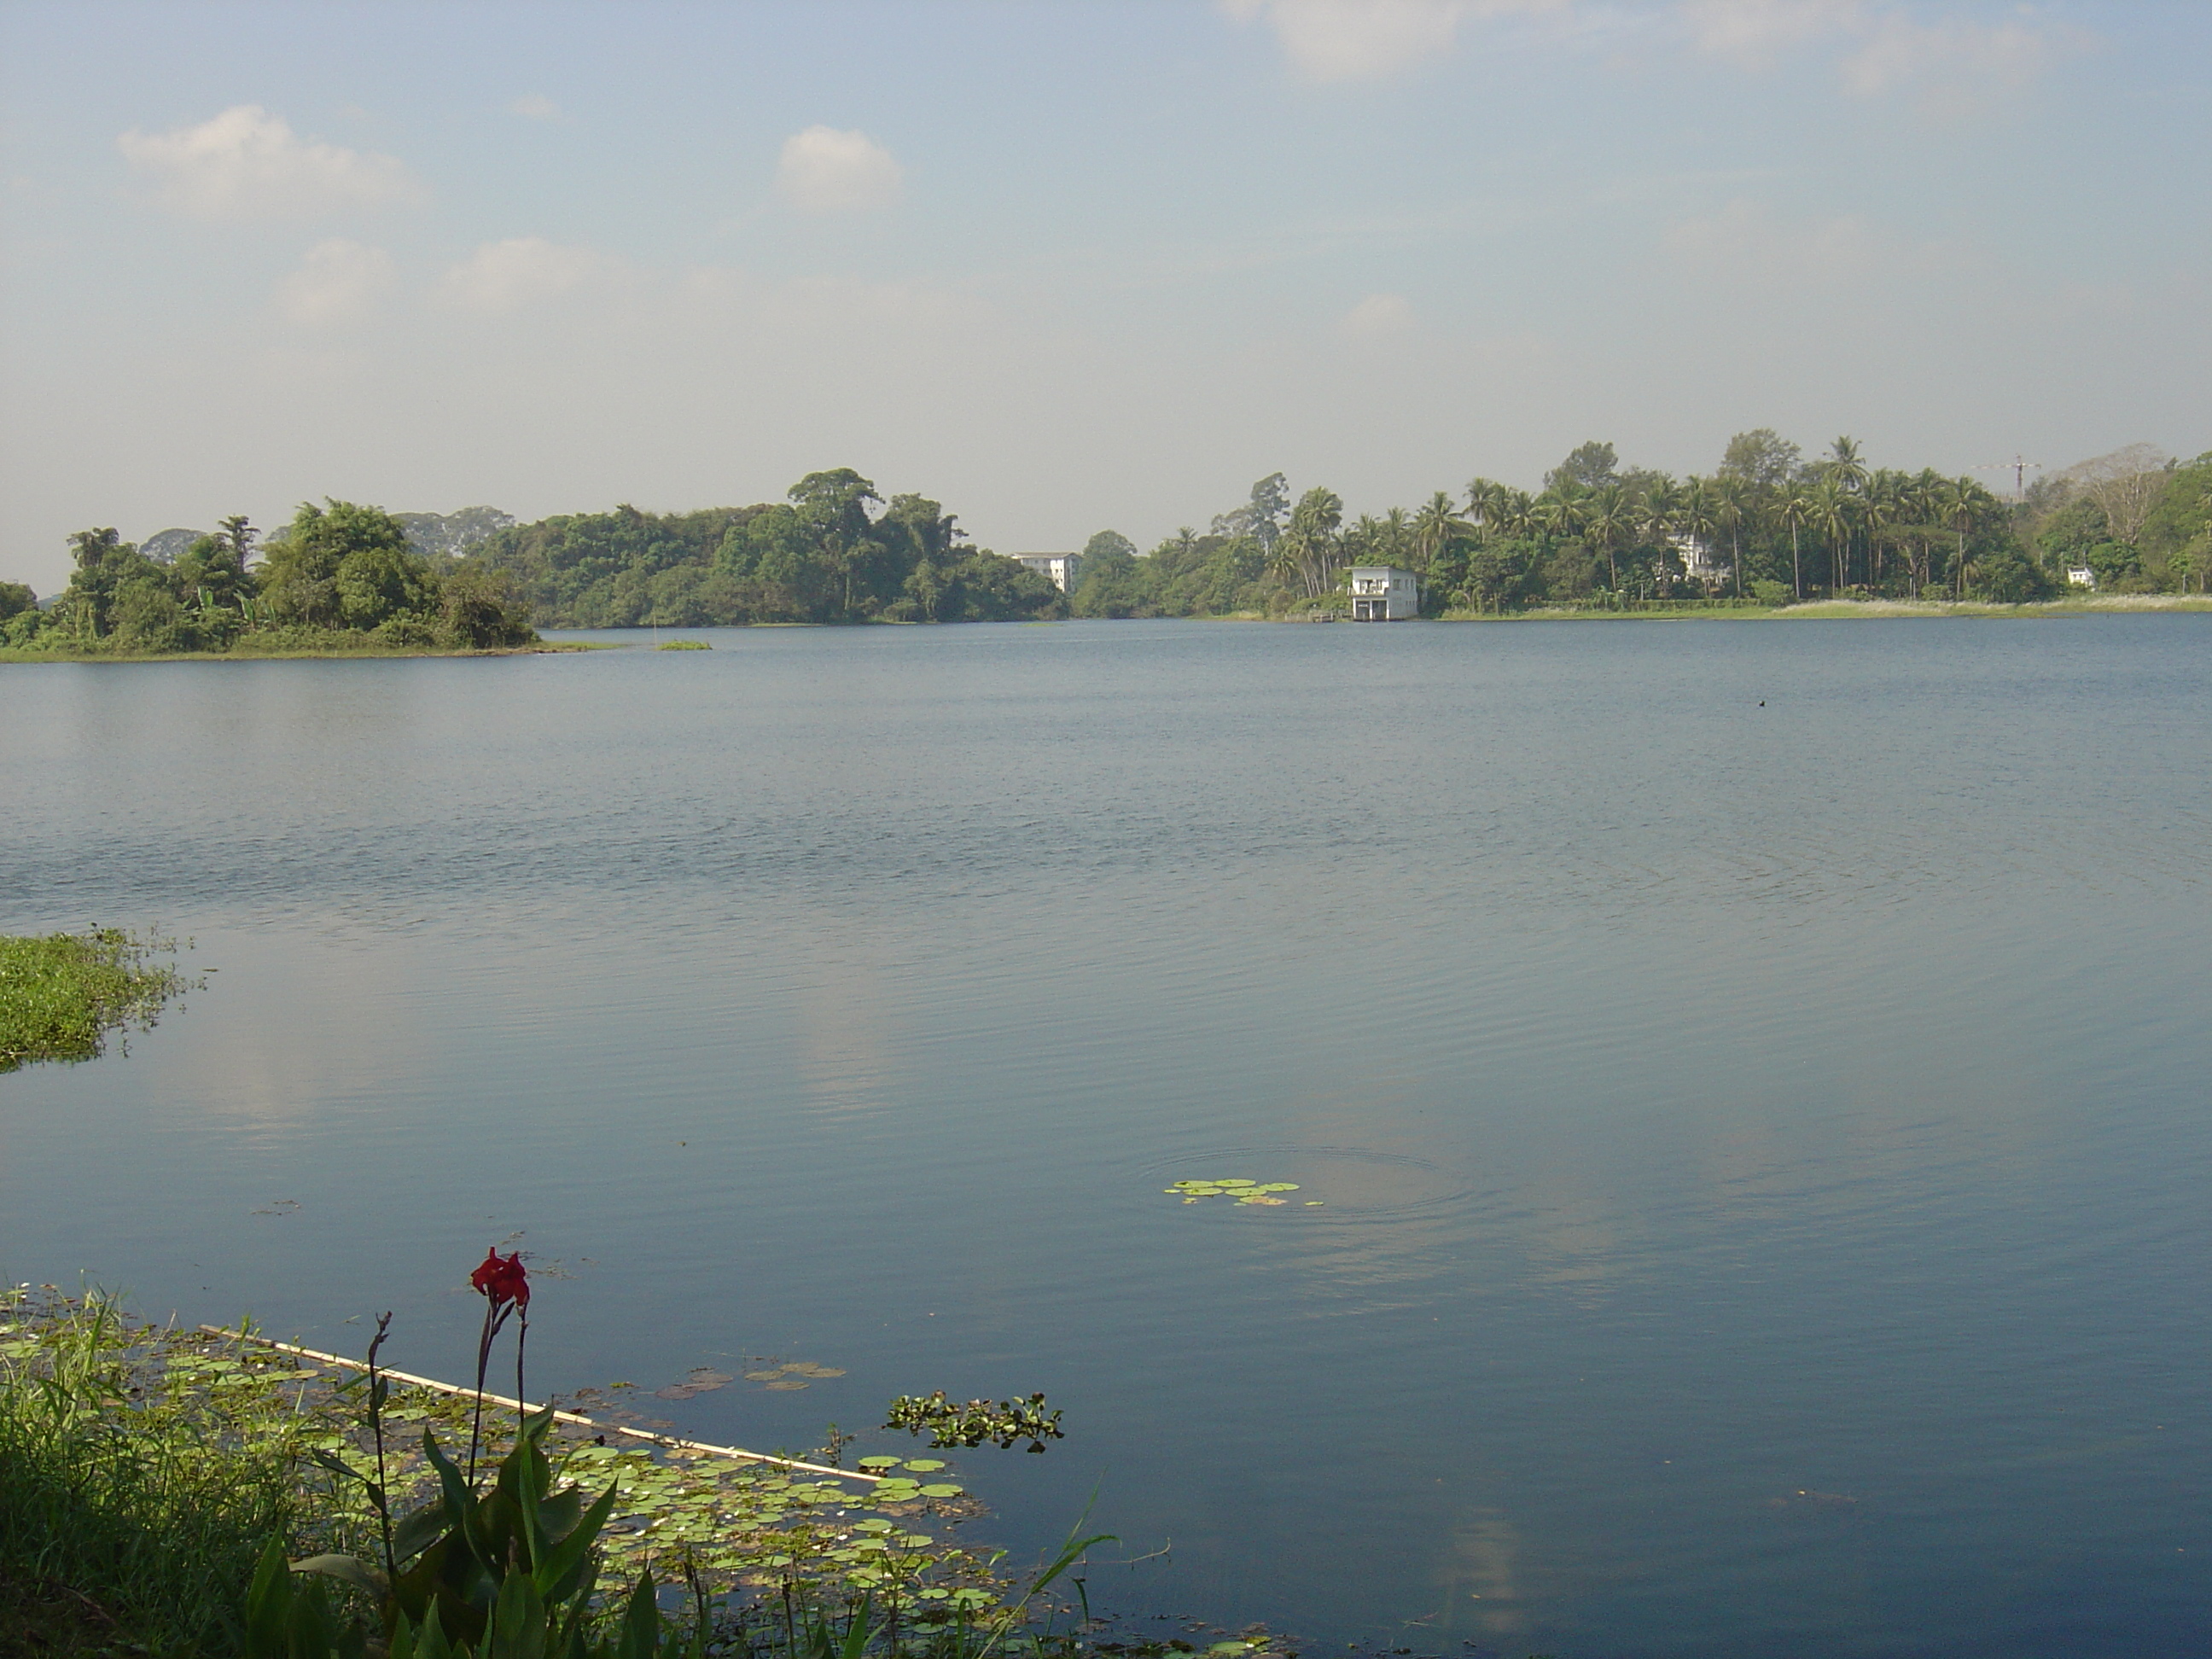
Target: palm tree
x,y
1961,505
1309,548
1850,472
1609,521
1795,511
1562,509
1656,510
1729,509
1693,518
1833,509
1485,497
1516,513
1435,524
1882,507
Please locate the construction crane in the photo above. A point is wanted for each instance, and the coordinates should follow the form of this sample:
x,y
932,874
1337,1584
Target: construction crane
x,y
2018,466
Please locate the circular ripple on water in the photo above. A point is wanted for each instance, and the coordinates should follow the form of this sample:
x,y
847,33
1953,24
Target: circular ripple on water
x,y
1348,1181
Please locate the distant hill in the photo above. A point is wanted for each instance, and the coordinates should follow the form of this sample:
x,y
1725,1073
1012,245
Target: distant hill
x,y
167,546
449,535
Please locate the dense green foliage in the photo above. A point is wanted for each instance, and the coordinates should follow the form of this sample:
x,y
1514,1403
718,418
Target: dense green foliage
x,y
126,1516
61,994
338,577
823,556
1768,526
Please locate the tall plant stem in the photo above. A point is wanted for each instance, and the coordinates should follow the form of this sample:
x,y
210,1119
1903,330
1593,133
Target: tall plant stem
x,y
376,1386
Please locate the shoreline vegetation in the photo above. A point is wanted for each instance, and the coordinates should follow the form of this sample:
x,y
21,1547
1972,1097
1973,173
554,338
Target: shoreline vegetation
x,y
183,1491
1769,532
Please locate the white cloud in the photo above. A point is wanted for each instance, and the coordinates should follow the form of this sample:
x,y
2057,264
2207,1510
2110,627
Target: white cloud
x,y
1954,64
1951,62
823,170
537,105
337,281
1365,39
522,270
1378,316
1752,31
246,163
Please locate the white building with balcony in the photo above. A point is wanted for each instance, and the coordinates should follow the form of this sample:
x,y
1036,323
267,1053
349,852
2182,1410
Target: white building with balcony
x,y
1382,592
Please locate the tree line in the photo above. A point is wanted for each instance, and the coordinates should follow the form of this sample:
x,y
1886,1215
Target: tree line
x,y
832,551
1768,526
339,576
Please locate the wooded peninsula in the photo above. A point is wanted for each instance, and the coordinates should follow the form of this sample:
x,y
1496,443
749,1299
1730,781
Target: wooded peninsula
x,y
1768,529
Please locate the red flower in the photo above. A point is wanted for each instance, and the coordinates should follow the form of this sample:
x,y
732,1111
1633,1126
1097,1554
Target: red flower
x,y
502,1279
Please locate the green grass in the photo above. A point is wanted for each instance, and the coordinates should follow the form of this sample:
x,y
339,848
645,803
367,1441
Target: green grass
x,y
61,994
129,1522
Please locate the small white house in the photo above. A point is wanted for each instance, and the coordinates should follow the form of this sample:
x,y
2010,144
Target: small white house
x,y
2080,576
1382,592
1062,570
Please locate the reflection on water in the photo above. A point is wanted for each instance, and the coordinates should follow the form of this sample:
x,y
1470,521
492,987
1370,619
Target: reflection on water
x,y
1751,1157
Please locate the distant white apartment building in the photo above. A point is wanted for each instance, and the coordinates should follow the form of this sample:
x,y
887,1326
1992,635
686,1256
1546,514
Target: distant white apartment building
x,y
1382,592
1062,570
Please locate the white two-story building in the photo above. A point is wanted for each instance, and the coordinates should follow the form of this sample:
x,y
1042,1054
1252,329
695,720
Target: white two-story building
x,y
1382,592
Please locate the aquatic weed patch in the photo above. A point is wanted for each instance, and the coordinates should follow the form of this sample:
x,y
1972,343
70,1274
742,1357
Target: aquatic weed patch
x,y
62,994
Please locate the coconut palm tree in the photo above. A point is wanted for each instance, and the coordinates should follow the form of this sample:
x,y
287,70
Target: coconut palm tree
x,y
1308,549
1693,518
1610,521
1730,506
1795,510
1834,507
1435,524
1962,503
1882,508
1655,513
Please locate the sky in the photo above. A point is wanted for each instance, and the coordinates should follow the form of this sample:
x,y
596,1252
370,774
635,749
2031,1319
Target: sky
x,y
1066,267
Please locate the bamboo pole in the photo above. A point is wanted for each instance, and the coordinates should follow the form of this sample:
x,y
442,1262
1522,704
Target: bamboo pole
x,y
669,1441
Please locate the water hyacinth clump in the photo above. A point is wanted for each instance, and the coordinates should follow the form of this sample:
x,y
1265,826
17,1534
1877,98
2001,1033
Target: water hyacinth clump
x,y
1234,1187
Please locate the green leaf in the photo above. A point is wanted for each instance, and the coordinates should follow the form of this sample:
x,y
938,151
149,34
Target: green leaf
x,y
268,1603
518,1621
924,1465
641,1625
347,1570
569,1561
941,1489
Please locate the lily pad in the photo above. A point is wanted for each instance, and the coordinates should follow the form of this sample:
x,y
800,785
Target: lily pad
x,y
1240,1189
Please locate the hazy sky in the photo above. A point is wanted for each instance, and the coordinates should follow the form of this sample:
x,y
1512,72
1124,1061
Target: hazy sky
x,y
1069,266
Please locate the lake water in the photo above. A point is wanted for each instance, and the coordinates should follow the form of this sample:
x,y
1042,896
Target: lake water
x,y
1748,1084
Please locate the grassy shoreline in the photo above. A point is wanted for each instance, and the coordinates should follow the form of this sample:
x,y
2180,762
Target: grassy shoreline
x,y
18,654
1862,609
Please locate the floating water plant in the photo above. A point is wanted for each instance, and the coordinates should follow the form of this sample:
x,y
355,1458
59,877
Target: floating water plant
x,y
1234,1187
970,1423
794,1374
